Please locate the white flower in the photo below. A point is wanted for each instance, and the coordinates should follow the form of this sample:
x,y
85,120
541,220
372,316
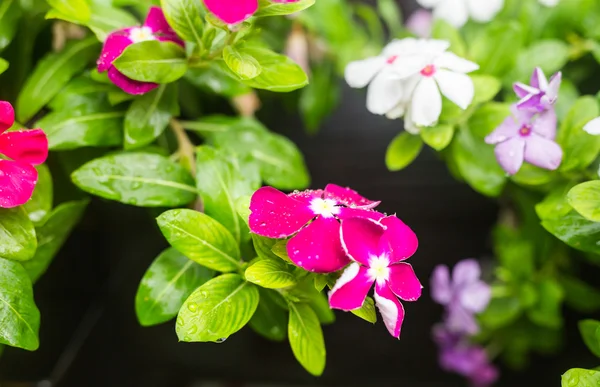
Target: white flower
x,y
549,3
593,127
457,12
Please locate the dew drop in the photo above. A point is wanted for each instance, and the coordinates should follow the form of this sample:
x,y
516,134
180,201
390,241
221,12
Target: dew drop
x,y
193,307
221,340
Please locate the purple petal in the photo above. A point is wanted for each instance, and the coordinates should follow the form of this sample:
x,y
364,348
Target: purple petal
x,y
508,128
404,282
553,88
510,154
317,247
17,181
441,289
531,102
539,80
460,320
128,85
351,288
522,90
360,239
466,272
25,146
390,308
277,215
398,239
542,152
484,376
545,124
114,45
475,297
348,197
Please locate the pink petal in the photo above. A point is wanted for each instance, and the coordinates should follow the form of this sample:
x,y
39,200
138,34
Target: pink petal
x,y
128,85
7,116
160,27
317,247
277,215
532,102
390,308
404,282
538,79
26,146
351,288
510,154
17,181
398,239
232,11
545,124
522,90
114,45
466,272
348,197
554,87
360,239
507,129
441,291
476,296
307,196
171,38
542,152
347,212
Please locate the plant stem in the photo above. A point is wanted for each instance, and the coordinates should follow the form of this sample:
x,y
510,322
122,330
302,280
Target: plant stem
x,y
185,149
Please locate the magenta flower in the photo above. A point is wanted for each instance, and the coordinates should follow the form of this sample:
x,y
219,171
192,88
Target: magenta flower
x,y
526,136
463,295
313,217
26,148
235,11
377,249
155,28
541,95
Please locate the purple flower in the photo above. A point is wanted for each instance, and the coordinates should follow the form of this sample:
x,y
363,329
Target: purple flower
x,y
463,295
541,94
526,136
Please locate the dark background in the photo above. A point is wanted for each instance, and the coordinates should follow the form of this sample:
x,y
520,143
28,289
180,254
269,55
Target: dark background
x,y
90,336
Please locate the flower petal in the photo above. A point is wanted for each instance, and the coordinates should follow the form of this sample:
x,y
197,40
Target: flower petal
x,y
420,23
114,45
232,11
539,80
317,247
460,320
465,272
7,116
453,62
531,101
429,3
351,288
358,74
476,296
17,181
457,87
398,239
348,197
426,103
484,11
545,124
510,154
360,239
404,282
390,308
542,152
25,146
128,85
522,90
554,87
384,93
158,23
277,215
508,128
593,127
441,290
364,213
454,12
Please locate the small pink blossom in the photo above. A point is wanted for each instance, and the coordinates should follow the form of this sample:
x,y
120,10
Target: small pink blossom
x,y
155,28
377,249
25,148
541,94
420,23
235,11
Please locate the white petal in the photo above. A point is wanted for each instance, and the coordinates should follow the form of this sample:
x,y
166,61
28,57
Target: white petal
x,y
453,62
457,87
429,3
434,46
384,93
453,11
409,124
484,10
404,67
358,74
396,112
549,3
399,46
426,103
593,127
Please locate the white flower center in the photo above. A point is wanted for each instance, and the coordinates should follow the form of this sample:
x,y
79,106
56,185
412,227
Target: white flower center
x,y
379,269
324,207
140,34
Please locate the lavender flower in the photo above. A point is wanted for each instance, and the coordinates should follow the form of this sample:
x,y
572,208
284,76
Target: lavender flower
x,y
541,94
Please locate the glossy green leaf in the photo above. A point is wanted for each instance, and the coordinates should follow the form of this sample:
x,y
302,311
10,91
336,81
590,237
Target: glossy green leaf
x,y
106,19
17,235
438,137
488,117
555,204
270,274
3,65
185,17
273,8
306,338
167,283
140,179
585,199
367,311
149,115
217,79
578,377
590,332
217,309
550,55
320,305
52,235
51,74
242,64
201,239
81,91
576,231
402,151
280,250
270,320
152,61
10,14
40,204
77,10
580,148
496,49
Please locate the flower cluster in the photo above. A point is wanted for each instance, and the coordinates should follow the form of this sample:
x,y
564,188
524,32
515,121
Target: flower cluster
x,y
235,11
409,78
463,296
528,134
335,227
25,148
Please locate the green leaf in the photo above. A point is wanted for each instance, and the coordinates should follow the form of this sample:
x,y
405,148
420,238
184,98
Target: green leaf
x,y
585,199
547,311
590,332
555,203
3,65
270,320
575,231
578,377
149,115
40,204
201,239
270,274
51,74
280,250
320,97
366,311
486,88
152,61
500,312
242,64
263,247
392,16
402,151
272,8
579,295
141,179
217,79
185,17
438,137
550,55
106,19
17,235
580,148
52,235
306,338
167,283
445,31
488,117
18,313
496,49
217,309
10,14
320,305
78,10
81,91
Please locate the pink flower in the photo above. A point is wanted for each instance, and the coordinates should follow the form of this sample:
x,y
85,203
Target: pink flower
x,y
26,148
313,217
155,28
235,11
377,249
420,23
